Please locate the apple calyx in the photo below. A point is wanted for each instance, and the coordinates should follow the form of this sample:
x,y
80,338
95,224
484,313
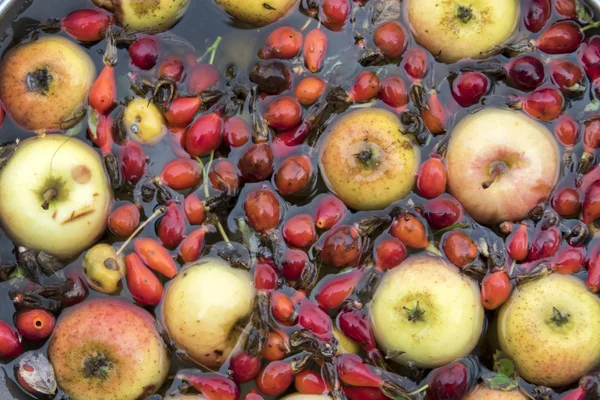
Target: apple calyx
x,y
39,81
97,366
559,318
464,14
497,169
368,157
415,314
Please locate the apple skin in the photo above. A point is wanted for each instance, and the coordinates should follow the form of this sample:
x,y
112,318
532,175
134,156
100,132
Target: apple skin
x,y
202,306
254,12
126,336
77,217
453,320
545,353
436,26
345,345
523,145
390,172
71,74
480,392
302,396
147,16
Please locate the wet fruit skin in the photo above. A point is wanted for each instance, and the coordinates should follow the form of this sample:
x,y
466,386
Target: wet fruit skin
x,y
468,88
284,42
293,175
309,90
449,382
495,290
123,220
35,324
341,246
144,53
10,342
459,248
256,163
263,210
390,37
299,231
224,176
410,231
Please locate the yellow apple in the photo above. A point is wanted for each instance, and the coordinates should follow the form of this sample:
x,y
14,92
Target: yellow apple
x,y
55,195
428,310
103,269
550,328
457,29
481,392
44,83
108,349
205,307
367,161
501,164
257,12
344,343
148,15
143,121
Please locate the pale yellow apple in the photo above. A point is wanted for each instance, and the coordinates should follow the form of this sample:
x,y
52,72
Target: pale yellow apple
x,y
344,343
143,121
146,15
44,83
108,349
257,12
481,392
103,268
501,164
550,329
428,310
367,161
205,307
55,195
455,29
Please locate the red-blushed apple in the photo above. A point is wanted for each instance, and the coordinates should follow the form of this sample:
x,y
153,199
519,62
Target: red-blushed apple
x,y
481,392
203,308
550,329
501,164
108,349
457,29
425,309
367,161
147,16
54,195
44,83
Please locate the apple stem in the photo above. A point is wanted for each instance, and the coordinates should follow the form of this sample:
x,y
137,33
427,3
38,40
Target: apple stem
x,y
48,196
156,213
415,314
497,170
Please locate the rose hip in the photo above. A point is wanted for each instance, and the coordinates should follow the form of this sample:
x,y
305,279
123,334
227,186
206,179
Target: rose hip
x,y
299,231
355,324
293,262
389,253
144,53
335,13
525,73
124,220
363,393
593,267
591,203
342,246
202,77
275,378
560,38
517,244
545,104
213,386
284,113
566,8
450,382
393,92
365,87
182,110
566,130
263,210
591,135
10,342
432,178
282,307
410,230
204,135
144,286
334,290
310,382
293,175
545,244
459,248
181,174
566,75
416,63
537,14
434,115
566,202
284,42
253,395
309,90
171,68
224,176
590,57
87,24
192,246
265,276
256,163
276,347
329,211
155,256
390,38
442,212
313,318
236,132
103,92
244,367
35,324
171,227
353,371
469,88
315,48
569,260
495,290
194,210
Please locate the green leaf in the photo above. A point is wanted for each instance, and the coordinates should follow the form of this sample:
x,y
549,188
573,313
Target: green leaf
x,y
582,13
504,365
501,382
505,378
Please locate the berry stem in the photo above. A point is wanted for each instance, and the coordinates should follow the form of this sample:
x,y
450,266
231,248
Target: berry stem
x,y
156,213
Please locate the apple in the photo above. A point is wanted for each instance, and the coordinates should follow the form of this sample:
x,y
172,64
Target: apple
x,y
550,329
103,268
146,16
367,161
257,12
54,195
108,349
143,121
185,396
44,83
425,308
481,392
205,307
302,396
344,343
457,29
501,164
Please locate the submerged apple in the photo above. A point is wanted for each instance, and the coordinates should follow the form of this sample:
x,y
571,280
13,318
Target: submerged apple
x,y
550,328
54,195
481,392
425,309
44,83
147,16
457,29
203,308
501,164
108,349
367,161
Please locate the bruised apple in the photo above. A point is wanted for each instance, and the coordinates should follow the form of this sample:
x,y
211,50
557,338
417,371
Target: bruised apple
x,y
108,349
147,16
550,328
426,310
257,12
481,392
367,161
54,195
205,306
501,164
44,83
457,29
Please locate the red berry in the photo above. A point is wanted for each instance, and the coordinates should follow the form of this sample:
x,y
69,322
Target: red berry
x,y
194,210
459,248
10,342
192,246
265,276
224,176
181,174
590,58
284,113
275,378
569,260
88,24
256,163
342,246
365,88
432,178
567,202
393,92
171,227
449,382
294,175
560,38
182,110
284,42
263,210
315,48
299,231
204,135
416,63
335,13
133,162
35,324
525,73
144,53
389,253
545,104
236,132
566,75
442,212
124,220
390,38
309,90
293,263
538,13
244,367
567,130
495,290
517,244
202,77
171,68
329,211
545,244
566,8
469,87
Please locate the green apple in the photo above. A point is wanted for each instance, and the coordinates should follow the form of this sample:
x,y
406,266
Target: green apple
x,y
147,15
457,29
501,164
428,310
550,328
367,161
55,195
205,307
